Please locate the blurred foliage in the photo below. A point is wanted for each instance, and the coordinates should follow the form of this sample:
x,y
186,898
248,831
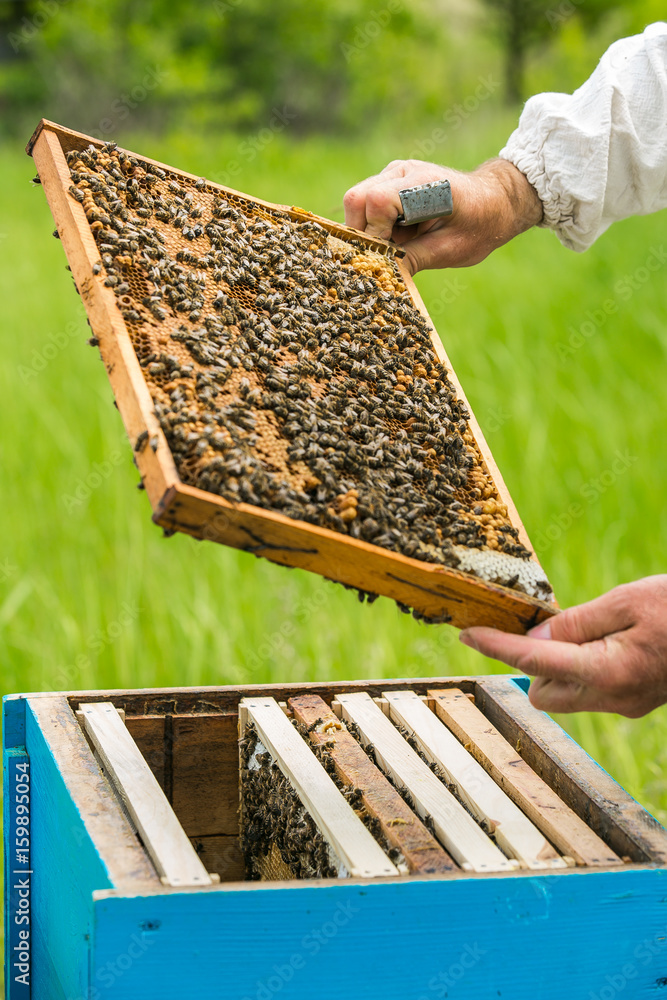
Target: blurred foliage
x,y
226,64
230,66
522,25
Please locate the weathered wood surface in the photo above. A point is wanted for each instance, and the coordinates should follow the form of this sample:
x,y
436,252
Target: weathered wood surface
x,y
401,827
221,855
157,468
456,830
148,732
579,781
205,785
209,700
118,848
335,819
162,835
502,762
432,589
512,830
81,842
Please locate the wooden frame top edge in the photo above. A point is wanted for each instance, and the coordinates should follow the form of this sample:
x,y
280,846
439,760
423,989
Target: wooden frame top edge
x,y
293,210
256,689
99,895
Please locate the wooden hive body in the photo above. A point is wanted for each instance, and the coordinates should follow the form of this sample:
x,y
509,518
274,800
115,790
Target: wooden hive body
x,y
104,924
434,590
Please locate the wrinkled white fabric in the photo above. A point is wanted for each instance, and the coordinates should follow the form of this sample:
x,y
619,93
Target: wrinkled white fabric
x,y
600,154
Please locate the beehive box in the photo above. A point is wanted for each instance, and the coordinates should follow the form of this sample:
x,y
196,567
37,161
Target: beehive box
x,y
100,920
284,389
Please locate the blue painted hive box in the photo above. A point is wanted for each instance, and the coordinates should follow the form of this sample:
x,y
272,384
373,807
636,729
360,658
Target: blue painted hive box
x,y
95,908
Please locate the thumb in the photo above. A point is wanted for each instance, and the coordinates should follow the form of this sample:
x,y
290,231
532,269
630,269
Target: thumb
x,y
587,622
436,248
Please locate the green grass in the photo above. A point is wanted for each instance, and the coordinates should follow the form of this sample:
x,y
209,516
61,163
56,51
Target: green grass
x,y
92,595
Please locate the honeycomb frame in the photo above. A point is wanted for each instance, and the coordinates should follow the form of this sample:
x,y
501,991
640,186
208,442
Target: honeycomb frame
x,y
434,591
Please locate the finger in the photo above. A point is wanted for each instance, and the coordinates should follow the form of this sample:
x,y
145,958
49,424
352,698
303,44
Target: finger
x,y
397,168
549,695
354,200
561,660
354,203
432,249
383,206
601,617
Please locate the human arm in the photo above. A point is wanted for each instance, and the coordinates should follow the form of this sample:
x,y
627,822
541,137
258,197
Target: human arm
x,y
609,655
575,164
492,204
600,155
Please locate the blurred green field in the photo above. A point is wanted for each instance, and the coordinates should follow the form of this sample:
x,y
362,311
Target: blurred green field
x,y
563,358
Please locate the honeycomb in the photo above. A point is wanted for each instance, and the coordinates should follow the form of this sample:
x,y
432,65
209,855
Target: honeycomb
x,y
290,369
279,838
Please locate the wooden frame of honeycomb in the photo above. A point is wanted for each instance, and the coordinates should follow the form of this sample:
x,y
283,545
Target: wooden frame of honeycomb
x,y
485,583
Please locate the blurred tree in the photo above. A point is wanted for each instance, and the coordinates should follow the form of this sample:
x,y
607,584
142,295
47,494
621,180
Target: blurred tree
x,y
524,23
12,16
520,23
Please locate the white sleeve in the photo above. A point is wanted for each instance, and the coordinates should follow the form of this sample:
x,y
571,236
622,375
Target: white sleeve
x,y
600,154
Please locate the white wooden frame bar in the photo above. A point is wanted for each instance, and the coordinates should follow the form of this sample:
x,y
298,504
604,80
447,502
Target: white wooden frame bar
x,y
455,828
513,831
507,768
163,837
341,827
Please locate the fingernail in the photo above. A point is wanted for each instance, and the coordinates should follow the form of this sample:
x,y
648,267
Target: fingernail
x,y
541,631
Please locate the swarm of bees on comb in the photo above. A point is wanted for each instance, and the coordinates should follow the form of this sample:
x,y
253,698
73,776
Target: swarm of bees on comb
x,y
279,838
291,370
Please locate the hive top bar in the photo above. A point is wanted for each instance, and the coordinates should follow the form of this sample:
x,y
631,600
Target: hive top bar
x,y
278,373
